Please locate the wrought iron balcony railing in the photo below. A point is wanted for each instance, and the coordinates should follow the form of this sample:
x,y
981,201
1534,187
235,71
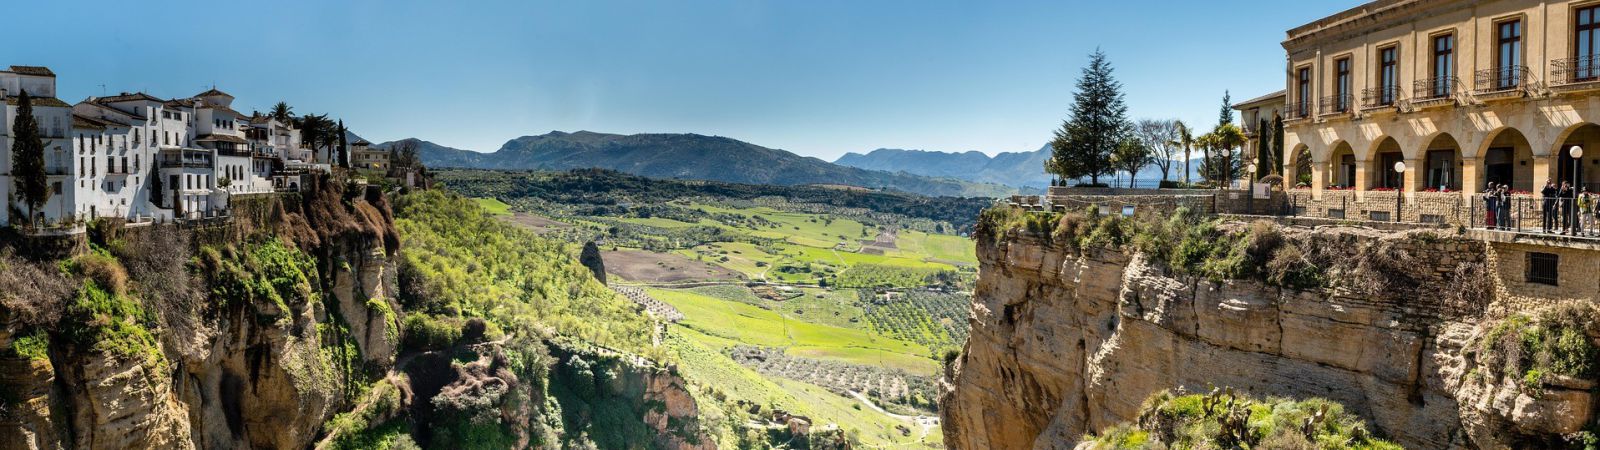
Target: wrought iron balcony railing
x,y
1335,104
1500,79
1297,110
1380,97
1581,69
1439,88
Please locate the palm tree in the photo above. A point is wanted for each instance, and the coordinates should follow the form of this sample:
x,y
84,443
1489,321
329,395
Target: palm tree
x,y
1225,138
1184,139
282,112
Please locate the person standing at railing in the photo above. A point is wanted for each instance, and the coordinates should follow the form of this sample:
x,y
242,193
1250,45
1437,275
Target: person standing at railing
x,y
1585,210
1547,208
1491,202
1503,195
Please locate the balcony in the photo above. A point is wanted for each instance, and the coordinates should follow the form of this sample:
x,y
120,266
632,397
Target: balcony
x,y
1431,92
1334,105
1380,97
1501,82
57,170
1297,111
1580,73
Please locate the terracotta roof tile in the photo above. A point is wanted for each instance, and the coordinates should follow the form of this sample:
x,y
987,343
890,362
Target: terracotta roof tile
x,y
33,70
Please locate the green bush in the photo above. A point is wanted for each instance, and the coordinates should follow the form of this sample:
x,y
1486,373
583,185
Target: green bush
x,y
1223,419
1557,343
427,332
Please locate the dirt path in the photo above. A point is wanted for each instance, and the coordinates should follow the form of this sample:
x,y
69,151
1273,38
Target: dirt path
x,y
927,423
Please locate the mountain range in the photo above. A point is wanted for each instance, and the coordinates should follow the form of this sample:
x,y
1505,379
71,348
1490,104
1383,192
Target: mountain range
x,y
1019,169
691,156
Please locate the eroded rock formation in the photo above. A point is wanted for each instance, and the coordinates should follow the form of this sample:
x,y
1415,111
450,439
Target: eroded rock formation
x,y
1065,343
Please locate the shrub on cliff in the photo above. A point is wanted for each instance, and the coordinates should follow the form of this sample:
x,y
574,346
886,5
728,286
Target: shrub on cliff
x,y
1555,341
1223,419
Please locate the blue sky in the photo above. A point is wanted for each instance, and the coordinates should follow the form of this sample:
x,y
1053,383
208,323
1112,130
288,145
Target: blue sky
x,y
818,78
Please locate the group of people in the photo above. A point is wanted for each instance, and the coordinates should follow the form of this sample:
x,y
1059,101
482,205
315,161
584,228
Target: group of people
x,y
1564,208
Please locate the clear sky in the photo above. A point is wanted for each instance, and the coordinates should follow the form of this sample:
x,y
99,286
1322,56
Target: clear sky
x,y
817,77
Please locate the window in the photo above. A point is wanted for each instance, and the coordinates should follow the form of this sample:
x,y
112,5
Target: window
x,y
1388,76
1508,54
1543,268
1586,43
1341,84
1444,47
1303,91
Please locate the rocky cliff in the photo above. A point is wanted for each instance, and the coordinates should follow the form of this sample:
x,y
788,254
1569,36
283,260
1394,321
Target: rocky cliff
x,y
1068,340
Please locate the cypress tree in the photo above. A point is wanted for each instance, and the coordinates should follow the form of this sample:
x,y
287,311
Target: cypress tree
x,y
590,258
344,147
1277,145
27,158
1083,145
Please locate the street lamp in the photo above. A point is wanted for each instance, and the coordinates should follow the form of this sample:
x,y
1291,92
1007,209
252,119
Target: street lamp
x,y
1399,194
1572,217
1250,199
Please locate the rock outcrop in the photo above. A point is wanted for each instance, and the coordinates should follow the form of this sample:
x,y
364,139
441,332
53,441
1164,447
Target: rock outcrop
x,y
1066,342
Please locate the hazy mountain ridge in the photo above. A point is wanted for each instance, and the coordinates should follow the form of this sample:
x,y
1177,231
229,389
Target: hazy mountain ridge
x,y
1019,169
689,156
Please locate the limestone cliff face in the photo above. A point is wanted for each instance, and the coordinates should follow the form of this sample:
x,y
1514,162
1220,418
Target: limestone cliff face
x,y
1065,343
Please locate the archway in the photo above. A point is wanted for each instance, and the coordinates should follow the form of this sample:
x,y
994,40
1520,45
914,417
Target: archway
x,y
1508,159
1441,165
1343,164
1380,171
1586,136
1300,175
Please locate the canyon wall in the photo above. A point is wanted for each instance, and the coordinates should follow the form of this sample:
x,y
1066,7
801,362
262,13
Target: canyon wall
x,y
1067,342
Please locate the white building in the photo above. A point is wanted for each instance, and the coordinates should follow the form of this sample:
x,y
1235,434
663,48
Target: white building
x,y
55,123
138,157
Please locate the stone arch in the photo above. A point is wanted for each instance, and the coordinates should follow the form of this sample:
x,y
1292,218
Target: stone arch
x,y
1584,171
1342,165
1299,166
1507,158
1441,163
1380,173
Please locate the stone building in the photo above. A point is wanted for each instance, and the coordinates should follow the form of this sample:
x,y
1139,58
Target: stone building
x,y
1461,92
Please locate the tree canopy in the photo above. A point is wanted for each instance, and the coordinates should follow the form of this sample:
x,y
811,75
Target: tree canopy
x,y
27,158
1082,147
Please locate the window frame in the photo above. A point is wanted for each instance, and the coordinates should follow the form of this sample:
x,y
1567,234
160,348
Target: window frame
x,y
1537,261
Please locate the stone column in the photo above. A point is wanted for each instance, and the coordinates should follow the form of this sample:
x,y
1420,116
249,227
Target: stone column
x,y
1411,182
1544,170
1472,176
1319,178
1361,179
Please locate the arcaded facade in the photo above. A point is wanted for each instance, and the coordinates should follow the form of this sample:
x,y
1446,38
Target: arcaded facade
x,y
1462,92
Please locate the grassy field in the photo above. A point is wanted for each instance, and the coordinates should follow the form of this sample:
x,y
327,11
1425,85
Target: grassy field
x,y
733,322
494,206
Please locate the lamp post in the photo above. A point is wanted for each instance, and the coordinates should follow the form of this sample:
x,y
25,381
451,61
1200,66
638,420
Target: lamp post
x,y
1572,214
1250,188
1399,194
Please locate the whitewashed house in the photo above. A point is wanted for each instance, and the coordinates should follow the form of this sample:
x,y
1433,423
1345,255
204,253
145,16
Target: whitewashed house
x,y
55,123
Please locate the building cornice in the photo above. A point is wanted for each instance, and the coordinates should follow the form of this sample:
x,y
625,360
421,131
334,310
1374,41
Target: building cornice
x,y
1368,18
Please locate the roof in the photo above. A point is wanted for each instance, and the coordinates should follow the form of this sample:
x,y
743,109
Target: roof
x,y
220,138
177,103
1262,99
48,102
128,97
220,108
87,123
102,107
32,70
213,92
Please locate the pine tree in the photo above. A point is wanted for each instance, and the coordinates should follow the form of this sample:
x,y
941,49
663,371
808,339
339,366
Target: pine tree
x,y
27,158
344,147
1083,145
1277,145
1226,115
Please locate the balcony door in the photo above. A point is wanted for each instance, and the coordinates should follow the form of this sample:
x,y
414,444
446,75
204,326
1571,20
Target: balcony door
x,y
1508,55
1388,76
1444,64
1341,87
1586,43
1303,91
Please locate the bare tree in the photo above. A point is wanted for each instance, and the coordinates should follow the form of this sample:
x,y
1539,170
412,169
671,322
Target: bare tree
x,y
1161,137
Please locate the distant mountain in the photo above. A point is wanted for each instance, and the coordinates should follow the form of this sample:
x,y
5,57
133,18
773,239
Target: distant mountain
x,y
1019,169
689,156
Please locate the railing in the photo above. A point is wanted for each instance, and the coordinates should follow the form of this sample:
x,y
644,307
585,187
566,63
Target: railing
x,y
58,170
1334,104
1380,97
1294,111
1581,69
1500,79
1439,88
184,164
